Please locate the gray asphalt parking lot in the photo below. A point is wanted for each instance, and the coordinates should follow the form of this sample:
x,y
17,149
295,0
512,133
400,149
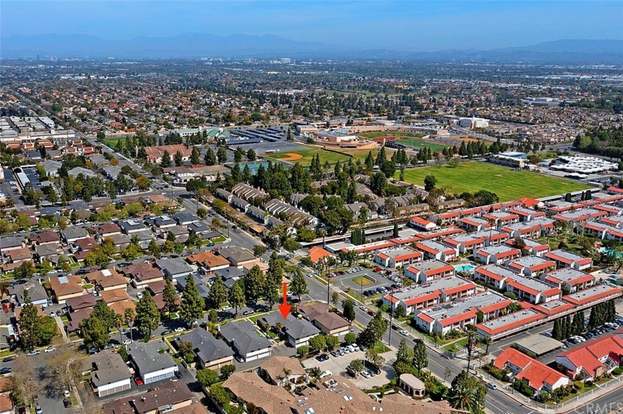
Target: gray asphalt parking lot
x,y
349,280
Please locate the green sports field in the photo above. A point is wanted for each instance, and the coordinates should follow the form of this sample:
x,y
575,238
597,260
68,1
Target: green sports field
x,y
507,183
304,155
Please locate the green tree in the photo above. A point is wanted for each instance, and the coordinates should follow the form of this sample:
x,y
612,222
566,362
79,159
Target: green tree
x,y
298,284
28,326
95,333
195,157
318,343
467,393
349,310
373,332
254,284
170,297
207,377
192,302
217,297
429,182
221,154
420,358
210,157
165,161
332,342
236,296
147,315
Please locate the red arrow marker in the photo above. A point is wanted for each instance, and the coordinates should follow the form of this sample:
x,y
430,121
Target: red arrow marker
x,y
285,307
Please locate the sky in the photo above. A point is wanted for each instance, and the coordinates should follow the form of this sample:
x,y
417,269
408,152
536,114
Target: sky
x,y
411,25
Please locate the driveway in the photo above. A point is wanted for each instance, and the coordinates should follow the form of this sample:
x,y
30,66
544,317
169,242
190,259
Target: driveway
x,y
336,365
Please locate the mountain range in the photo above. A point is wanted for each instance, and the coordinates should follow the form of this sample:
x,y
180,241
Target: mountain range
x,y
568,51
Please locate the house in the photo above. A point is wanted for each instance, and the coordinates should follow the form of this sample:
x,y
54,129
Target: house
x,y
532,266
174,267
154,154
65,287
532,229
594,358
569,280
19,256
172,397
526,214
429,270
246,341
50,252
210,352
151,364
576,217
330,323
536,374
142,273
209,261
120,241
108,229
496,254
238,256
397,257
8,335
567,259
35,290
80,302
45,237
132,226
109,375
318,253
162,223
11,243
298,332
106,279
72,234
436,250
430,293
184,218
281,370
456,315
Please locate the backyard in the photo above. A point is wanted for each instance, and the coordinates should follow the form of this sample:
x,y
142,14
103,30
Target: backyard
x,y
508,184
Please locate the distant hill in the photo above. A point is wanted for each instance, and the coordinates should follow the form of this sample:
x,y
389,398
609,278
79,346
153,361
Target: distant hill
x,y
572,51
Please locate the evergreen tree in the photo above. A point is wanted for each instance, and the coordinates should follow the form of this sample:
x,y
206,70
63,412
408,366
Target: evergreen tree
x,y
348,310
236,296
165,162
170,297
209,158
373,332
217,297
94,333
298,284
195,157
193,304
254,284
147,315
420,358
467,393
578,323
221,154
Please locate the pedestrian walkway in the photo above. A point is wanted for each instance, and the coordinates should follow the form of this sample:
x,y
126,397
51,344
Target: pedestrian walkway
x,y
61,328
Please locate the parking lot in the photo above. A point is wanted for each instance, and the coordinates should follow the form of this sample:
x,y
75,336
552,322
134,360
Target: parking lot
x,y
367,282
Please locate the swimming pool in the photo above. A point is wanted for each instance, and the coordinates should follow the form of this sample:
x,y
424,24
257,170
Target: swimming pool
x,y
465,268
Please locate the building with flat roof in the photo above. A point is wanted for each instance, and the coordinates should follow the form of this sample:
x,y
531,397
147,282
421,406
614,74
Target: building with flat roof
x,y
465,243
397,257
496,254
508,324
532,229
430,293
428,270
501,218
532,290
597,293
569,280
536,345
435,250
532,266
444,318
567,259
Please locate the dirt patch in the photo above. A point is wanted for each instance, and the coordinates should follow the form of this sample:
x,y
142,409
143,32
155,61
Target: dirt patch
x,y
291,156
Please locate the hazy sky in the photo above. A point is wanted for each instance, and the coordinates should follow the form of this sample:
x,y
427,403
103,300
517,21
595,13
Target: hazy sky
x,y
415,25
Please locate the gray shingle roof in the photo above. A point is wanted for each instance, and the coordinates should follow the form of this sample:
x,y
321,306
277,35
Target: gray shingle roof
x,y
243,337
206,346
148,358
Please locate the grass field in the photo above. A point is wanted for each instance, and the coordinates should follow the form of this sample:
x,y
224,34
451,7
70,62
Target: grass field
x,y
409,139
508,184
363,281
112,141
304,156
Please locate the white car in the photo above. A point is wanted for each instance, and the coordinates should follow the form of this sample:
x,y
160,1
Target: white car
x,y
49,349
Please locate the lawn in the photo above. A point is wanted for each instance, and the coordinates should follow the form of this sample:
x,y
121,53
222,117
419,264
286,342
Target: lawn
x,y
111,142
410,139
304,155
507,183
363,281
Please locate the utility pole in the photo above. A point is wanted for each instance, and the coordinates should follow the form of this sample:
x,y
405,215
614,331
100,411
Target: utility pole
x,y
391,323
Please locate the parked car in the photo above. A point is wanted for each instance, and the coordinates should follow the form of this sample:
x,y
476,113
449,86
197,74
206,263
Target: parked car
x,y
322,357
